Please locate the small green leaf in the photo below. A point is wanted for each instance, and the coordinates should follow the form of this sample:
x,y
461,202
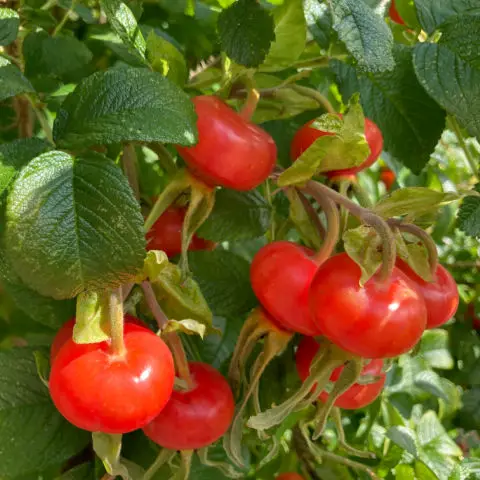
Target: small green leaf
x,y
92,317
123,105
125,25
224,279
469,214
365,34
166,59
410,120
155,262
290,36
362,245
404,438
431,431
416,256
432,13
87,228
30,421
179,298
58,56
319,21
413,201
236,216
188,326
302,220
246,31
9,23
430,381
12,81
434,349
108,448
459,94
404,472
346,147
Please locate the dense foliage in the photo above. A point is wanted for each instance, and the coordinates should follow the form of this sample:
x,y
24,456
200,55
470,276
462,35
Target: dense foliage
x,y
239,239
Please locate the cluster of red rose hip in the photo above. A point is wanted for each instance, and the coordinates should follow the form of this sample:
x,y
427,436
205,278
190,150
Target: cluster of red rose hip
x,y
98,390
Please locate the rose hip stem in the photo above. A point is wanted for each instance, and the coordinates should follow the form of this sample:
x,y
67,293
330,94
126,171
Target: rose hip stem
x,y
117,347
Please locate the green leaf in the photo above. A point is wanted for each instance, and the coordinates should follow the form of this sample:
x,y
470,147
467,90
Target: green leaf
x,y
82,472
469,214
180,298
404,472
290,36
246,31
12,81
365,34
430,431
92,317
14,156
125,25
9,23
345,148
166,59
236,216
124,105
458,93
362,245
430,381
224,279
30,422
108,447
432,13
188,326
413,201
319,21
415,255
404,438
411,122
434,349
58,56
86,230
302,220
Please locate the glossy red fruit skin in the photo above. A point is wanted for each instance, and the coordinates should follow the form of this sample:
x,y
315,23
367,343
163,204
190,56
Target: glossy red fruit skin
x,y
100,393
195,418
376,321
231,151
357,396
66,331
289,476
440,296
387,176
281,273
166,234
394,15
306,135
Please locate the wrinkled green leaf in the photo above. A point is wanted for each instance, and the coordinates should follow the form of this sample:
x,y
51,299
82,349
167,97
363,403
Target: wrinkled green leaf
x,y
246,31
125,104
430,381
81,235
12,80
404,437
434,349
125,25
319,21
9,23
30,422
469,215
411,122
365,34
57,56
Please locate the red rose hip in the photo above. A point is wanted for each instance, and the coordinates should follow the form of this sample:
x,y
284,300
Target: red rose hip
x,y
231,151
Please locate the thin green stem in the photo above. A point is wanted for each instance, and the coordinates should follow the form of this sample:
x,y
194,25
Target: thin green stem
x,y
468,154
164,158
117,347
41,119
163,457
129,163
153,305
315,95
181,362
312,213
63,21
